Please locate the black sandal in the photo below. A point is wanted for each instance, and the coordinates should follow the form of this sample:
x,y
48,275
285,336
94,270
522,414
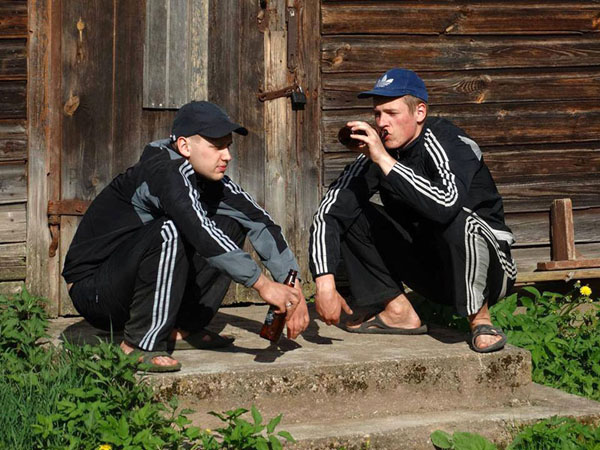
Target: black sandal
x,y
145,363
488,330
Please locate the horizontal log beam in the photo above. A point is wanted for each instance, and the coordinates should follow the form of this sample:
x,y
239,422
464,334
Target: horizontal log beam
x,y
13,223
14,19
514,166
354,53
534,228
13,54
435,17
12,262
496,124
527,258
13,183
11,287
13,99
529,197
13,140
473,86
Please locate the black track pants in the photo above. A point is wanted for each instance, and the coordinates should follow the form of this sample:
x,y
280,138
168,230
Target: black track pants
x,y
152,283
461,264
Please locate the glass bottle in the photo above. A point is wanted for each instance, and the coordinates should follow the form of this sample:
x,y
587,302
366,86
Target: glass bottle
x,y
274,322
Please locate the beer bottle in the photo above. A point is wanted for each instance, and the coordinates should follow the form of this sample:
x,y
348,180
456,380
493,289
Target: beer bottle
x,y
345,139
274,322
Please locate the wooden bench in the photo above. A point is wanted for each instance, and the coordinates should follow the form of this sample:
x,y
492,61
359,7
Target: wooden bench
x,y
567,263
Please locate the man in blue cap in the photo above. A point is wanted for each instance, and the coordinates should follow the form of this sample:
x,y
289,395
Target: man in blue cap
x,y
157,249
440,231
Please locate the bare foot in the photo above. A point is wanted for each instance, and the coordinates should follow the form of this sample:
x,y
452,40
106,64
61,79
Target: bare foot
x,y
483,318
398,313
178,334
159,360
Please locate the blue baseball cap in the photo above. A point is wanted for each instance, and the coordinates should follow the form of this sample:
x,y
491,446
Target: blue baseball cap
x,y
397,83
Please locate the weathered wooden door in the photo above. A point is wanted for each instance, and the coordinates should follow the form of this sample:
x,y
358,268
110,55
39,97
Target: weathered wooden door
x,y
92,123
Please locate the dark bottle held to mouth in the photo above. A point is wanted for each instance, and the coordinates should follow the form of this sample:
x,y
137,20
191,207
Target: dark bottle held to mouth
x,y
345,139
351,143
274,322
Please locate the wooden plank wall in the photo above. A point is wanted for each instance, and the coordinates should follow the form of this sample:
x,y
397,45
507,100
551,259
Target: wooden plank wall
x,y
521,77
13,143
102,125
102,134
278,162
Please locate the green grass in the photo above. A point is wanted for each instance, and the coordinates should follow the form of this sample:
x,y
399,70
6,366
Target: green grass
x,y
86,397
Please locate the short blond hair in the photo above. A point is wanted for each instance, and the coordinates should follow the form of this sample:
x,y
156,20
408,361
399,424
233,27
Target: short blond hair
x,y
412,102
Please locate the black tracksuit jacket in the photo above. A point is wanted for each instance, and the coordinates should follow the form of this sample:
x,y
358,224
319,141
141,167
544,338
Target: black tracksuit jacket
x,y
437,175
164,184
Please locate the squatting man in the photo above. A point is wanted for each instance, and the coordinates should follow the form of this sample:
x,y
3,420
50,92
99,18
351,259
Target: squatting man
x,y
158,247
440,231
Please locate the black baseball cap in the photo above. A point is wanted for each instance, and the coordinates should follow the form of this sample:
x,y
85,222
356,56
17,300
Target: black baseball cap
x,y
203,118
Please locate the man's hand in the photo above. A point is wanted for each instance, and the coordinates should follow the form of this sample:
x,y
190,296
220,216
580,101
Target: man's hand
x,y
373,147
298,319
285,298
328,300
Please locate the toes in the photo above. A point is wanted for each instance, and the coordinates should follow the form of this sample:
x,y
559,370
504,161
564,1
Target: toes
x,y
487,340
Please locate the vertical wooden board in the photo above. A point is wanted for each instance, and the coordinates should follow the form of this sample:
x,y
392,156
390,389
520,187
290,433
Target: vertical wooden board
x,y
43,127
224,64
155,53
68,227
156,124
127,105
178,58
276,129
13,183
87,88
308,151
251,149
562,230
199,45
13,140
13,224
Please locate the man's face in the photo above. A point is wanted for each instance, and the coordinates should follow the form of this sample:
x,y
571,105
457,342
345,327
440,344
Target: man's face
x,y
209,157
395,117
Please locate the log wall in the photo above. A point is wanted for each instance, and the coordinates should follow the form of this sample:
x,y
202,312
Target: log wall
x,y
89,121
13,143
521,77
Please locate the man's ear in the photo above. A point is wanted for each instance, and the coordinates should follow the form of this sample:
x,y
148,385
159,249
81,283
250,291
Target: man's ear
x,y
183,146
421,112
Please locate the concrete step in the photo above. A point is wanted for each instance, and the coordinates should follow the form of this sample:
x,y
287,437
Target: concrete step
x,y
334,388
411,431
431,371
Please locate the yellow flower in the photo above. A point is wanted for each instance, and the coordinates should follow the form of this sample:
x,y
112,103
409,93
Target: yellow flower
x,y
105,447
208,431
585,290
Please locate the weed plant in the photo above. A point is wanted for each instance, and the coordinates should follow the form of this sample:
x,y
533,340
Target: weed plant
x,y
562,332
89,397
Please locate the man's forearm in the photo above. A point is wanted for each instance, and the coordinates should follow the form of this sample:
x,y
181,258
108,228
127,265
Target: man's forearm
x,y
385,162
325,283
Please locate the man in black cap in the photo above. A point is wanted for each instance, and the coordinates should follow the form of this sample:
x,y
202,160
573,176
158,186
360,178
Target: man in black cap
x,y
440,231
157,249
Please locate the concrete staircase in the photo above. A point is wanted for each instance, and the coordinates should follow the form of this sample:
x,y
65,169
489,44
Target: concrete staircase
x,y
338,389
